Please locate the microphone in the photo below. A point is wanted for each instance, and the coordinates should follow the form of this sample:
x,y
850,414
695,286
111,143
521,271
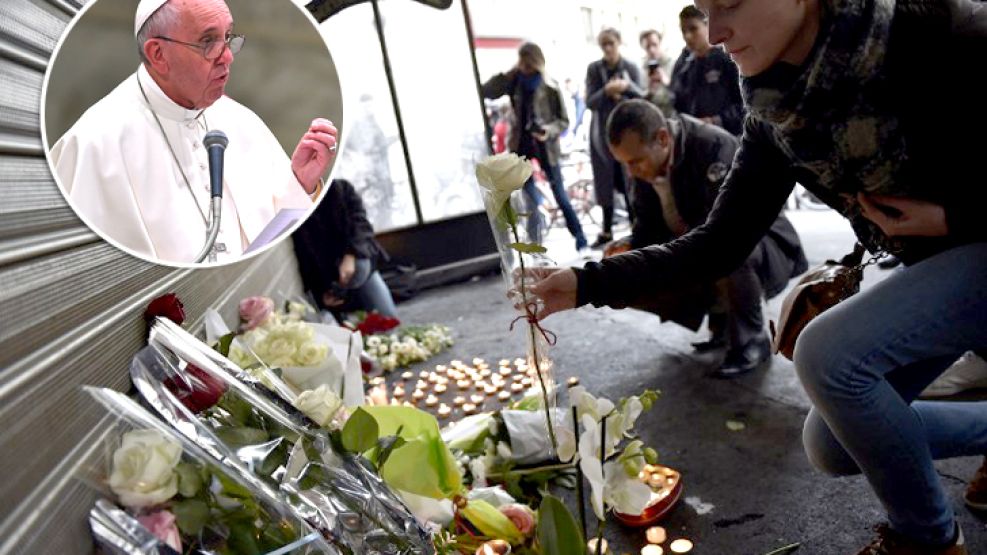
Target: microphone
x,y
215,142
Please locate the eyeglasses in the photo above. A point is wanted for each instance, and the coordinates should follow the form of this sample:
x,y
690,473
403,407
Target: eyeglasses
x,y
211,48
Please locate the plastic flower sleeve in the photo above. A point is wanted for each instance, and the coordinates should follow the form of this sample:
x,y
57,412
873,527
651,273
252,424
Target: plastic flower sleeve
x,y
217,508
350,504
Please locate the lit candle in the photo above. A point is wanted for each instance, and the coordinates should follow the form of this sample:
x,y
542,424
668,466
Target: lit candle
x,y
480,385
504,395
490,390
408,375
431,401
456,363
526,382
681,545
656,480
517,377
423,374
459,400
652,550
504,362
476,399
655,534
441,368
377,381
494,547
439,388
422,384
398,392
469,408
517,388
573,381
418,395
484,373
505,371
464,384
477,361
519,362
444,410
591,546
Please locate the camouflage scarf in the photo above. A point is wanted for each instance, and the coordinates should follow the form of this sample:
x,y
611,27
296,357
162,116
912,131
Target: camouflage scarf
x,y
831,114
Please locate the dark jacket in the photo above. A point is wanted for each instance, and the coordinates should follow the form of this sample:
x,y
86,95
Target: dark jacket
x,y
548,109
709,87
337,227
703,154
602,105
943,117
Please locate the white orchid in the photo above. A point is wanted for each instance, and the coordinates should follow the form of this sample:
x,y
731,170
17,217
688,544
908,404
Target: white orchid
x,y
611,485
587,404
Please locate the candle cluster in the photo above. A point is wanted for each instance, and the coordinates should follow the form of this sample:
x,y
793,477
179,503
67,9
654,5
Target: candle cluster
x,y
458,389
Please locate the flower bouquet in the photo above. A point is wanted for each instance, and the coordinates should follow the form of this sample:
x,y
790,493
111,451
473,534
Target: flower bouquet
x,y
261,428
408,345
164,494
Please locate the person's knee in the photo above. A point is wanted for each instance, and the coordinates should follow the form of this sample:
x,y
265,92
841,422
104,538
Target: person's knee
x,y
823,450
817,355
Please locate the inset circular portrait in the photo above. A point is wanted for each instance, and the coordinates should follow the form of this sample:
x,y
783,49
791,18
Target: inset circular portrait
x,y
192,132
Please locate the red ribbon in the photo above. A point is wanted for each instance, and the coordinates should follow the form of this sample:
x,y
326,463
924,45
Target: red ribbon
x,y
529,315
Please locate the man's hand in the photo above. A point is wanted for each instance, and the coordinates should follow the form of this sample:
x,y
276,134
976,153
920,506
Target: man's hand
x,y
897,216
540,136
328,299
347,267
620,246
314,153
556,287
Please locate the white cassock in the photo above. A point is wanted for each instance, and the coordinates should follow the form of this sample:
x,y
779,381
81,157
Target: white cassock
x,y
121,177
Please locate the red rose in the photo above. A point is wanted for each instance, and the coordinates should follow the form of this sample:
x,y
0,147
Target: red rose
x,y
377,323
167,306
205,391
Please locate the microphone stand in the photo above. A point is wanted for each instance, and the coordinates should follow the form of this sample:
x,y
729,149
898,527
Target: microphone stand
x,y
215,142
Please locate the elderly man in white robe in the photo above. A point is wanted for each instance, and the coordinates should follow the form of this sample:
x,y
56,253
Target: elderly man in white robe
x,y
134,166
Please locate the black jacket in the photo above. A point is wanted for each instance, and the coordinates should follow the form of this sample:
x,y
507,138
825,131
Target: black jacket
x,y
943,115
337,227
709,87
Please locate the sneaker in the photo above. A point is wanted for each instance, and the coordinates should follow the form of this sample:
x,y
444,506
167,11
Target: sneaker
x,y
969,372
601,240
889,542
741,361
976,492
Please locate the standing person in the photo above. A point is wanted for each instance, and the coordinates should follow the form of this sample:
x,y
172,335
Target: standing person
x,y
705,82
540,118
608,81
338,255
650,41
134,166
833,104
655,78
679,165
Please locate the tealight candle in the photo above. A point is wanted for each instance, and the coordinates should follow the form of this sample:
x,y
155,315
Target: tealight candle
x,y
591,546
377,381
504,362
520,361
441,368
517,377
485,373
476,399
656,480
418,395
423,374
526,382
469,408
680,545
494,547
505,371
573,381
655,534
517,388
407,375
431,401
477,361
456,363
398,392
480,385
444,410
439,388
504,395
490,390
422,384
652,550
459,400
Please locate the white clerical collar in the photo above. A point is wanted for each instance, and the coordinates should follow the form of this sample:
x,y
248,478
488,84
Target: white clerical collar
x,y
162,105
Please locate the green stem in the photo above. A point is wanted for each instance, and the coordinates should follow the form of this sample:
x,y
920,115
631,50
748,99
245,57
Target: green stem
x,y
599,537
527,471
580,494
534,348
603,458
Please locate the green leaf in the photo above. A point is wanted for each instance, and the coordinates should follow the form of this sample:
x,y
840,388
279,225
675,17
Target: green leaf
x,y
189,479
507,217
242,538
191,515
360,432
239,409
530,248
233,489
240,436
558,533
223,345
386,446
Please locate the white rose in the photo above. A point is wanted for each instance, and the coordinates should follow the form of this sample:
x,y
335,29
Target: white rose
x,y
319,404
311,354
502,174
275,351
144,469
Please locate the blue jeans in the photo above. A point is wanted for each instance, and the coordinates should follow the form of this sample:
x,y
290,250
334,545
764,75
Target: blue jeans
x,y
536,223
865,361
368,290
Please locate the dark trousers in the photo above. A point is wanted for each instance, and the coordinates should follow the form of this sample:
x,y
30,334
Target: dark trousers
x,y
737,313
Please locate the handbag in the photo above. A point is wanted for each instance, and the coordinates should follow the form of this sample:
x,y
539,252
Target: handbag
x,y
817,291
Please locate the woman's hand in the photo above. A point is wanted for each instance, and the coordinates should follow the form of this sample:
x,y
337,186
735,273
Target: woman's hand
x,y
347,267
556,287
897,216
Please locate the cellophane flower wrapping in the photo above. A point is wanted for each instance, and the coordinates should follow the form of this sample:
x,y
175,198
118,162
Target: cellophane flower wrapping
x,y
254,425
150,470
